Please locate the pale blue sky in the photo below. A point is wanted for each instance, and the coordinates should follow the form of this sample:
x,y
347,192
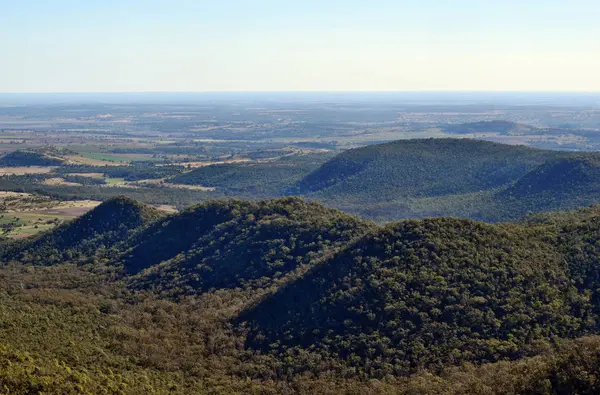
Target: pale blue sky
x,y
325,45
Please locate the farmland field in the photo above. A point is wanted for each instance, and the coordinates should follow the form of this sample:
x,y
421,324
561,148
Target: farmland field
x,y
24,215
21,170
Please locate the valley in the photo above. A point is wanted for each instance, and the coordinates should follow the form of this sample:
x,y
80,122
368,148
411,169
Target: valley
x,y
287,247
385,182
204,147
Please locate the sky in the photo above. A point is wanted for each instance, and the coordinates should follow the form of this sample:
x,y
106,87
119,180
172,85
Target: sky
x,y
291,45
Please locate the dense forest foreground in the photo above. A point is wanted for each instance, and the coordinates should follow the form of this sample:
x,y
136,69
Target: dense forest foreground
x,y
289,296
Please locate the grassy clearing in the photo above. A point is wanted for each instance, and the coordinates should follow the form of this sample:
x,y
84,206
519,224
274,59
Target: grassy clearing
x,y
21,170
83,160
138,157
190,187
59,181
114,181
104,157
19,225
25,215
13,195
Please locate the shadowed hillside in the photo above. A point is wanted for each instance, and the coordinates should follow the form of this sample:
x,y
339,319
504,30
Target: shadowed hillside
x,y
255,180
288,296
576,176
237,244
29,158
102,227
418,168
558,184
427,293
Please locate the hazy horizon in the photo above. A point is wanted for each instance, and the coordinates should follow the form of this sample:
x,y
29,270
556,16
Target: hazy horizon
x,y
368,97
267,45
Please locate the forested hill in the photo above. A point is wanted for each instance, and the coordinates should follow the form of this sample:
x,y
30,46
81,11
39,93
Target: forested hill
x,y
101,228
458,177
255,179
30,158
429,167
418,178
230,244
578,175
426,293
218,244
237,296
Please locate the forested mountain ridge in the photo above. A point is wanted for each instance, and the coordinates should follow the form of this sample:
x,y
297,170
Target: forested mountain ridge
x,y
419,178
233,244
453,177
559,184
250,296
431,292
423,167
578,175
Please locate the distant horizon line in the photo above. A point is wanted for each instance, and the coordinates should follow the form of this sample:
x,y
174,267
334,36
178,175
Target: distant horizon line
x,y
302,92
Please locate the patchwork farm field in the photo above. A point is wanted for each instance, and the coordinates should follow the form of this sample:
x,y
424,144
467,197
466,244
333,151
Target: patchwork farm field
x,y
121,158
24,215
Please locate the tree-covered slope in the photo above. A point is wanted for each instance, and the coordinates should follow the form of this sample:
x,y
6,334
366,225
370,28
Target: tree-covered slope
x,y
578,175
440,291
102,227
172,235
330,303
136,171
257,179
453,177
237,244
29,158
421,168
558,184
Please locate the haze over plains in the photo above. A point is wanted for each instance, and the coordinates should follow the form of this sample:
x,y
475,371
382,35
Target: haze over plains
x,y
263,45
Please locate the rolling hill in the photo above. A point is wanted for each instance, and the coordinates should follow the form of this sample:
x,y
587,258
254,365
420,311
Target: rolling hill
x,y
101,228
565,177
257,179
558,184
420,178
231,244
30,158
421,168
459,177
427,293
287,296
